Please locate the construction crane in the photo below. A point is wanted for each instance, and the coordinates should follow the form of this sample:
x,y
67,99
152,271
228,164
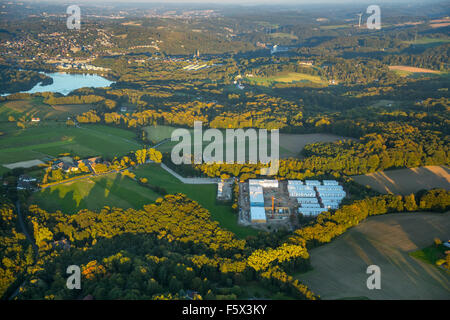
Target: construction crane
x,y
273,207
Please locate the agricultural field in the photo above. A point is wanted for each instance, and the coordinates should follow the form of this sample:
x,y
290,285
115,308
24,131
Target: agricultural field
x,y
51,139
35,107
159,133
405,71
427,41
339,268
289,77
113,190
204,194
334,27
407,181
283,35
290,144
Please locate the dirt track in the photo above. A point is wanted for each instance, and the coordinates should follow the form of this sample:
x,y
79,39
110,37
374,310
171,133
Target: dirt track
x,y
340,266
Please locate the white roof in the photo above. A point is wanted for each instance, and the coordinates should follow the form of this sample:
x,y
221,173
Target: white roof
x,y
300,187
329,187
295,182
307,200
312,182
330,182
266,183
257,213
310,205
256,198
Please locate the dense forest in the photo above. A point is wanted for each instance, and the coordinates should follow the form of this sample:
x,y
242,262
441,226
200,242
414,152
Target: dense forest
x,y
149,254
12,80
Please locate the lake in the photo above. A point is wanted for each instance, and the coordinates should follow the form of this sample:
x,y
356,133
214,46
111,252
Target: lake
x,y
65,83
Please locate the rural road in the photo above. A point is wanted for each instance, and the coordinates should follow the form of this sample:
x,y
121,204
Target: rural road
x,y
30,240
190,180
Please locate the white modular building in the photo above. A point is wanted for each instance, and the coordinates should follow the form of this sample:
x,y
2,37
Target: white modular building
x,y
257,199
295,182
299,190
307,200
264,183
329,188
312,182
332,194
331,205
257,215
310,205
311,211
302,194
330,183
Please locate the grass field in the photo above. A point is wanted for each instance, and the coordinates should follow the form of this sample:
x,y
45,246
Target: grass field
x,y
111,190
52,138
428,41
429,254
158,133
116,191
34,107
290,144
339,268
205,194
407,181
289,77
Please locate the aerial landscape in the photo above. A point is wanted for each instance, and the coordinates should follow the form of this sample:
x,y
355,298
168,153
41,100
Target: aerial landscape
x,y
224,150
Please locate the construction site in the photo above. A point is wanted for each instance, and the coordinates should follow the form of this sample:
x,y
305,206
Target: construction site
x,y
263,202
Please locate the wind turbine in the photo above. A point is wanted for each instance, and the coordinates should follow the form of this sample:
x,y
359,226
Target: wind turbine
x,y
359,15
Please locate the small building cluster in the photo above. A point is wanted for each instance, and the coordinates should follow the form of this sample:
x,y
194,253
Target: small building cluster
x,y
26,183
263,201
67,164
320,198
225,190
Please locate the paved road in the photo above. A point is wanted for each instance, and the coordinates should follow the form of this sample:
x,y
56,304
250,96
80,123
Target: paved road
x,y
84,177
190,180
30,240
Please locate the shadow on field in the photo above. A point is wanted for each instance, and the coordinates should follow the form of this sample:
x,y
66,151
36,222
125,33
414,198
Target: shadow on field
x,y
339,268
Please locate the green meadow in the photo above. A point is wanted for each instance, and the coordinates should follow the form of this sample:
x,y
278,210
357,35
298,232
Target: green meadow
x,y
51,139
35,107
429,254
161,132
113,190
204,194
